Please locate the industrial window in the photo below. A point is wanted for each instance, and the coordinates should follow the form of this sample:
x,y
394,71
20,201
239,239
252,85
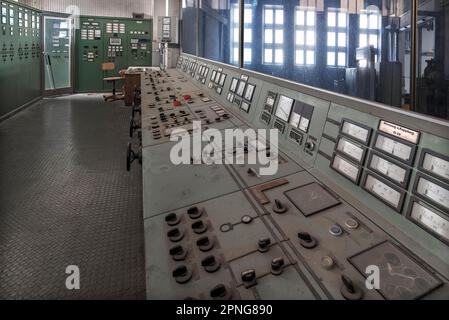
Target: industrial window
x,y
273,35
337,30
247,36
305,37
369,24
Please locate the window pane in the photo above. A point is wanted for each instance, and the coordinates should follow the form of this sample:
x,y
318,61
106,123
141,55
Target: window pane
x,y
310,38
331,19
299,57
279,36
342,39
299,17
310,18
363,40
268,56
248,35
236,35
279,16
247,55
341,59
300,38
363,21
236,54
342,20
310,57
248,15
331,58
331,39
373,18
268,36
279,56
373,40
268,16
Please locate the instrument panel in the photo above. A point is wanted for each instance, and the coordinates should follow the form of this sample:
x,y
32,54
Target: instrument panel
x,y
353,189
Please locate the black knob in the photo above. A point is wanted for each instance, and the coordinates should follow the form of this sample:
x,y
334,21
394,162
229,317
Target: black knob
x,y
221,292
182,274
175,235
264,244
277,265
279,207
205,244
194,212
178,253
199,227
349,290
172,219
249,278
210,264
306,240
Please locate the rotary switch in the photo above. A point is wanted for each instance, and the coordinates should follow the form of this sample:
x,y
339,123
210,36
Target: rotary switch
x,y
172,219
199,227
249,278
205,244
194,212
210,264
349,290
182,274
264,244
279,207
175,235
306,240
277,266
178,253
221,292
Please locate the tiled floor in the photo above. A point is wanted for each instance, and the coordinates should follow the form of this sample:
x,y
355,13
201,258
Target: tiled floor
x,y
67,199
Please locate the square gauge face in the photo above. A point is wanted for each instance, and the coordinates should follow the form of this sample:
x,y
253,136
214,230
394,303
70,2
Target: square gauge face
x,y
284,108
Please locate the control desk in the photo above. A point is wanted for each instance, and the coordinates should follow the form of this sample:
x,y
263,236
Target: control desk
x,y
361,193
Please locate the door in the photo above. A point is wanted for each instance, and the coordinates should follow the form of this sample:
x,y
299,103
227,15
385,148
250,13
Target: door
x,y
58,59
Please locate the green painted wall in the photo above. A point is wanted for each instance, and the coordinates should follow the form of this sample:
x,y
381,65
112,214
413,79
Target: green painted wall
x,y
20,56
131,46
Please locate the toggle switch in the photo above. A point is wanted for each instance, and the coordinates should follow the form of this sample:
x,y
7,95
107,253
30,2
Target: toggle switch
x,y
199,227
349,290
306,240
178,253
182,274
221,292
210,264
249,278
172,219
175,235
279,207
277,266
194,212
264,244
205,244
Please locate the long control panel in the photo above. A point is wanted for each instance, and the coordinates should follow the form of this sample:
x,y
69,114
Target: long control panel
x,y
358,192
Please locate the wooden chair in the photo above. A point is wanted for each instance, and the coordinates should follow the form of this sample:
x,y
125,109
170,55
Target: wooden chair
x,y
109,66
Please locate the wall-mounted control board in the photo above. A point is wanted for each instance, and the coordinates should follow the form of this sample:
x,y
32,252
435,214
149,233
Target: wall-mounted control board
x,y
20,55
168,30
357,186
125,42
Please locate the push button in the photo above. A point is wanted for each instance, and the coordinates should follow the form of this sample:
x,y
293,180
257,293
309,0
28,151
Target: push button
x,y
199,227
349,290
221,292
194,212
